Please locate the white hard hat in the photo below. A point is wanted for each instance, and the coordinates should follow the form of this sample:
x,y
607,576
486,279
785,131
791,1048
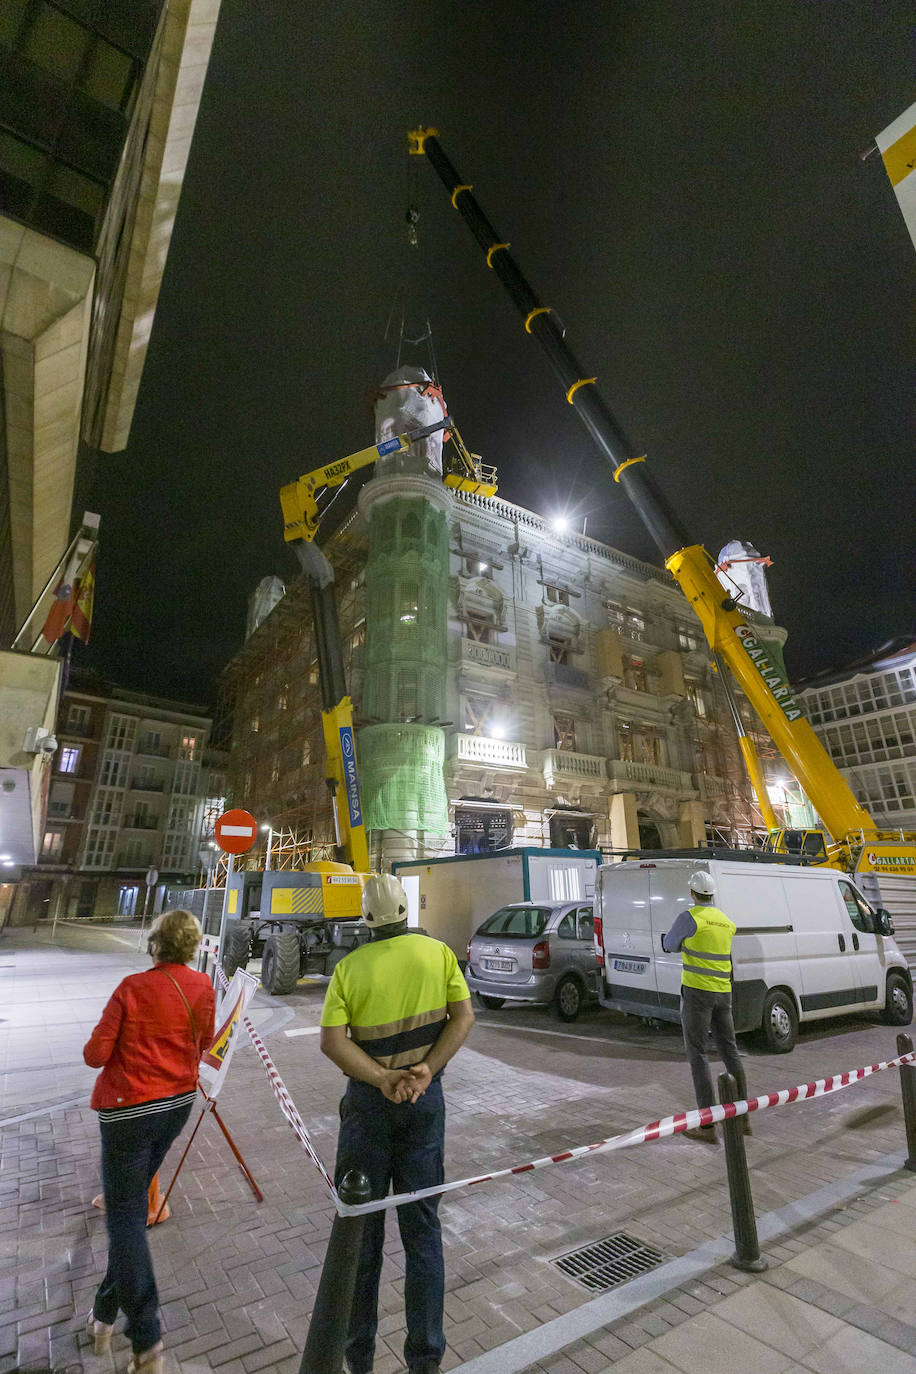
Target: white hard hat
x,y
704,884
384,901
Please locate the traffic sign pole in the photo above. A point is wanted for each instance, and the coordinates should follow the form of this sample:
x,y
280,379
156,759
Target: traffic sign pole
x,y
152,877
225,916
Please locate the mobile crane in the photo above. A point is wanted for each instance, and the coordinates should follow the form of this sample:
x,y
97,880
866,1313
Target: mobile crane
x,y
856,845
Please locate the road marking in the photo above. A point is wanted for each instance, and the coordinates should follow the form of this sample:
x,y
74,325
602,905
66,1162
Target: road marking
x,y
534,1030
303,1030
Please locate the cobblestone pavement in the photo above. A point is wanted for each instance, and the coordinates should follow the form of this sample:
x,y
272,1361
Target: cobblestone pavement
x,y
237,1279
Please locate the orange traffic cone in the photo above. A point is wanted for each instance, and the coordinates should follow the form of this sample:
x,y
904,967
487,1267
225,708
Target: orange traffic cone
x,y
153,1205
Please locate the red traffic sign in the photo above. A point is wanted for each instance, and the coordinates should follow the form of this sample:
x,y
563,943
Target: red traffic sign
x,y
235,831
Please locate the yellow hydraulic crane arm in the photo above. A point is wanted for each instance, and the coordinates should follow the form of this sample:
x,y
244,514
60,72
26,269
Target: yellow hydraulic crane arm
x,y
762,681
299,499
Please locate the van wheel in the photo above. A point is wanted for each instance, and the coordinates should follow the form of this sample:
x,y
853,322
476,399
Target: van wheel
x,y
569,999
898,1005
779,1027
491,1003
280,963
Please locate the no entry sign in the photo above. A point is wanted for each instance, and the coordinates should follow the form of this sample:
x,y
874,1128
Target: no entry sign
x,y
235,831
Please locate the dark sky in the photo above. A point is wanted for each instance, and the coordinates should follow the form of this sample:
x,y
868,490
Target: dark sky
x,y
682,182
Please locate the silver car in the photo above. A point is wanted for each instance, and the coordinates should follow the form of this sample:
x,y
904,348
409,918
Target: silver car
x,y
535,952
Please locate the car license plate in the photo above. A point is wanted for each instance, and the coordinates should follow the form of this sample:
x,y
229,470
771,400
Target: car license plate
x,y
498,965
630,966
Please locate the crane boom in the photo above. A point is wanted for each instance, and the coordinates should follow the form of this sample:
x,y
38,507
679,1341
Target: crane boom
x,y
727,631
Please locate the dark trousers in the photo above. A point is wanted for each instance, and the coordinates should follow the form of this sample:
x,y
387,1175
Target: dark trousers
x,y
400,1144
703,1013
132,1152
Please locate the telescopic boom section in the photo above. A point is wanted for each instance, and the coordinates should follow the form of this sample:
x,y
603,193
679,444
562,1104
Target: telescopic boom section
x,y
727,632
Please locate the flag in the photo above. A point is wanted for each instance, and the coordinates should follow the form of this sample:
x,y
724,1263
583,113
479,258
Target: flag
x,y
81,615
61,610
897,146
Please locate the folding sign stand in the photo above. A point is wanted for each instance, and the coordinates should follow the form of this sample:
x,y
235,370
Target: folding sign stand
x,y
210,1107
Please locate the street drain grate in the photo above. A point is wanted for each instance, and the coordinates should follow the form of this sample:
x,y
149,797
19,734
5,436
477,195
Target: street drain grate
x,y
608,1262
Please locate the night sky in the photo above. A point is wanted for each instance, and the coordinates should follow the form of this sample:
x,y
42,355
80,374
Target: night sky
x,y
681,182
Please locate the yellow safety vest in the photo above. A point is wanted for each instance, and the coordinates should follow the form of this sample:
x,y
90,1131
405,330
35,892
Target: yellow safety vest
x,y
706,957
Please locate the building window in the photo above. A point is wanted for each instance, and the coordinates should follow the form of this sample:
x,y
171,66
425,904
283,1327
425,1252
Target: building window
x,y
114,771
564,732
634,675
697,696
626,620
476,565
77,718
69,758
481,629
53,845
570,832
306,753
408,603
557,596
688,639
558,648
481,832
480,715
637,744
187,750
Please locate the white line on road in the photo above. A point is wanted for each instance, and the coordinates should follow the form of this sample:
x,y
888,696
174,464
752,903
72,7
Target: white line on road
x,y
303,1030
534,1030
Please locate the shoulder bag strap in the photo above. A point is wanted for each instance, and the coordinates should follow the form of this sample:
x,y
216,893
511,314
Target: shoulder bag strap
x,y
187,1009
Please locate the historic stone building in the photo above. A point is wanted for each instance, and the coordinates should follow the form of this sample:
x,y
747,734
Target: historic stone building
x,y
561,693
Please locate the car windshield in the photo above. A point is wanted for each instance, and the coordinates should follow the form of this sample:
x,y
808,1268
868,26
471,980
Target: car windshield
x,y
516,922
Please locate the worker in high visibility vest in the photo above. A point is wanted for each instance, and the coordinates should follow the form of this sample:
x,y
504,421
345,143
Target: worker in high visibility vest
x,y
703,935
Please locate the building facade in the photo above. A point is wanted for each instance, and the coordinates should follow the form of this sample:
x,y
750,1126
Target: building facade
x,y
865,716
135,786
577,704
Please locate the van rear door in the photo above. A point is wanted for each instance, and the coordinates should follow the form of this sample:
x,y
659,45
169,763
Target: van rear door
x,y
670,896
629,969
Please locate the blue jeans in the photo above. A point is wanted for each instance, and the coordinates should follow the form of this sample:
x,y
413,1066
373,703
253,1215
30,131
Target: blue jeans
x,y
400,1144
132,1152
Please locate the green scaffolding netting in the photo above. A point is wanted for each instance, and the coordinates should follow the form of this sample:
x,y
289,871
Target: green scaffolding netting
x,y
403,784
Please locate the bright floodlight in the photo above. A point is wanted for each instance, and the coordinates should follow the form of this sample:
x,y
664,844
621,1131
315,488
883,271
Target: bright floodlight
x,y
560,524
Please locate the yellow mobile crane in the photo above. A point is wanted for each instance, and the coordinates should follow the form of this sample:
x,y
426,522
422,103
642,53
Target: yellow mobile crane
x,y
857,844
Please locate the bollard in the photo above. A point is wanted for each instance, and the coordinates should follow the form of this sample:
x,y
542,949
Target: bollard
x,y
747,1254
908,1089
327,1334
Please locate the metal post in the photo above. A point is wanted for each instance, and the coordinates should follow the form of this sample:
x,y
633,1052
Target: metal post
x,y
225,915
143,919
747,1247
908,1089
330,1321
270,840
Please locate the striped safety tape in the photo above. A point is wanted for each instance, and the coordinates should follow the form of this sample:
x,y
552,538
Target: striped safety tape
x,y
281,1093
656,1130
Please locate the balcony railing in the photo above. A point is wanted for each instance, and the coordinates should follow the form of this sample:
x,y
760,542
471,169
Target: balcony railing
x,y
141,823
709,786
156,786
500,656
564,763
486,752
653,774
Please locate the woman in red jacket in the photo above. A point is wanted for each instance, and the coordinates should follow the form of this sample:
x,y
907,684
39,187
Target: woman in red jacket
x,y
148,1045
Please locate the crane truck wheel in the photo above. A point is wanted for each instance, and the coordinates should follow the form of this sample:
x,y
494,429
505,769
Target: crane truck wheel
x,y
898,1005
237,948
280,963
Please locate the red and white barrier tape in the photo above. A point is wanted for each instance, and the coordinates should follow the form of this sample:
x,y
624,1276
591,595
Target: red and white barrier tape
x,y
287,1105
656,1130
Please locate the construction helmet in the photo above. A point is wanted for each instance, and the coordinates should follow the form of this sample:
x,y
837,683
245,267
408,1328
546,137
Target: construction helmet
x,y
702,883
384,901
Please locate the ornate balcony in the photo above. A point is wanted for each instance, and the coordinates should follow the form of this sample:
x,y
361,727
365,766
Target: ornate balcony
x,y
498,656
484,752
649,775
709,787
561,765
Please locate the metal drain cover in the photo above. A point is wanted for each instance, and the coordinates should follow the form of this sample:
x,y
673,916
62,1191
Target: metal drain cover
x,y
606,1263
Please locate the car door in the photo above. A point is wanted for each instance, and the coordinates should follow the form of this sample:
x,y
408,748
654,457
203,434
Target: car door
x,y
585,952
564,945
867,949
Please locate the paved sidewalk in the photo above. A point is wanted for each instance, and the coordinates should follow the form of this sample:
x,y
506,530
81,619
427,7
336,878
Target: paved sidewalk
x,y
237,1280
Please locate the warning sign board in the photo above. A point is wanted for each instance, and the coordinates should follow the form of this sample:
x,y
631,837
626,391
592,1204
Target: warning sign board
x,y
214,1064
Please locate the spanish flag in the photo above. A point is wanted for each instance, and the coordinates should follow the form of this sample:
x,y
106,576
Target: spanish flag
x,y
81,615
61,610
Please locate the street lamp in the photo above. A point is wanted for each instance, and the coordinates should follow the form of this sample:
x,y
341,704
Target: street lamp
x,y
270,839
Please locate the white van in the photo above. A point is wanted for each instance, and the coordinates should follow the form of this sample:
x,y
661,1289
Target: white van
x,y
808,944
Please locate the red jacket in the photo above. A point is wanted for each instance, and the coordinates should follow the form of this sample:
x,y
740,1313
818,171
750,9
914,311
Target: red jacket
x,y
144,1044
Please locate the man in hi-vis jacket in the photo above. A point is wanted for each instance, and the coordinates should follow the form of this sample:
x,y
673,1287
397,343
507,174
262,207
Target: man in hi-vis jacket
x,y
703,935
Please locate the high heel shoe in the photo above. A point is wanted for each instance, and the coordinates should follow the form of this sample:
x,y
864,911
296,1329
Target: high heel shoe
x,y
99,1333
147,1361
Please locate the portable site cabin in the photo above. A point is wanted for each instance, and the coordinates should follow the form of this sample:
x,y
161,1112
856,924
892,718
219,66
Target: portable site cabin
x,y
449,898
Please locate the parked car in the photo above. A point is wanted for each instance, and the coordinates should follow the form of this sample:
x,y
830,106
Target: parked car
x,y
538,952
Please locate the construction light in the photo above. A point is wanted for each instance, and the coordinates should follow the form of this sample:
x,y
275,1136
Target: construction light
x,y
560,524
